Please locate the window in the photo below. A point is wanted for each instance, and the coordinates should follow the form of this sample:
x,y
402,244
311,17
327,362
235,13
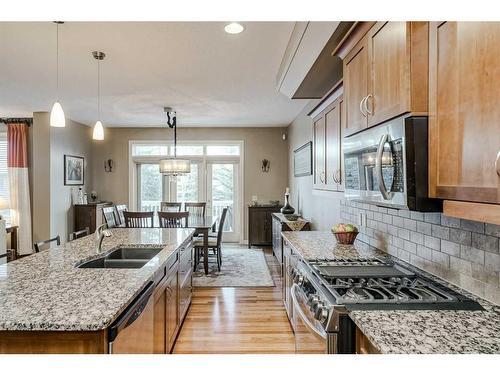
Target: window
x,y
187,150
150,187
223,150
149,149
187,186
4,175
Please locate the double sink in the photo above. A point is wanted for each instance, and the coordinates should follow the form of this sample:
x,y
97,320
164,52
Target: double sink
x,y
124,257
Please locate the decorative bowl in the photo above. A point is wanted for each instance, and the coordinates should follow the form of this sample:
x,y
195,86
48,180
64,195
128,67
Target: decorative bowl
x,y
291,217
345,238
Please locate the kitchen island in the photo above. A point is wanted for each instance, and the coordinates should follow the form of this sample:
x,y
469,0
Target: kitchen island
x,y
406,331
49,305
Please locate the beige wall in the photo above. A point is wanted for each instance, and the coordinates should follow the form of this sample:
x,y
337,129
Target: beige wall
x,y
74,139
52,209
321,207
40,176
260,143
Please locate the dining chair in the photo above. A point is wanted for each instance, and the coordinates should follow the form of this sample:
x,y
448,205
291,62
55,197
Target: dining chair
x,y
79,234
171,206
214,244
43,245
195,208
110,217
139,219
173,219
119,209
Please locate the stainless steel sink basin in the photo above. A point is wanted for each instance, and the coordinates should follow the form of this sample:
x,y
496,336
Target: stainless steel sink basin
x,y
123,257
133,253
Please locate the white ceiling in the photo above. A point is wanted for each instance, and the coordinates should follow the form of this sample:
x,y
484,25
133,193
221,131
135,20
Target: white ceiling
x,y
211,78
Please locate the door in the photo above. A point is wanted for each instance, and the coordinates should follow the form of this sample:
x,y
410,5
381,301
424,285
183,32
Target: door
x,y
332,133
389,71
172,311
310,337
222,191
464,118
187,188
319,153
356,87
150,187
160,313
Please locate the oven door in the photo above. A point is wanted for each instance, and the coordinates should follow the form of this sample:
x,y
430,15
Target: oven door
x,y
310,337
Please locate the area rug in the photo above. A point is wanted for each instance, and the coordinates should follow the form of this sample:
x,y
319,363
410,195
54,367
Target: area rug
x,y
240,268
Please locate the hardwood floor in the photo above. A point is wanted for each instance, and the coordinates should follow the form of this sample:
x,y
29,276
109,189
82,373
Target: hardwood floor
x,y
237,320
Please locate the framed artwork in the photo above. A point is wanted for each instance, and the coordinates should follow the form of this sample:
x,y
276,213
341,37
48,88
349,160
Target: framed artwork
x,y
74,170
302,160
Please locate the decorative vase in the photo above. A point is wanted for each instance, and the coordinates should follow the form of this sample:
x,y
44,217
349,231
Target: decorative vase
x,y
287,209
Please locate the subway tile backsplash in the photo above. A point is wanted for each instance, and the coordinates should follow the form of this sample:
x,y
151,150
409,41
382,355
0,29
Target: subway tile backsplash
x,y
463,252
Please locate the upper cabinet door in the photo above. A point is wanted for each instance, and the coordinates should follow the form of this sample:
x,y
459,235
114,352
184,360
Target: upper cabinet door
x,y
464,114
356,87
333,140
319,152
389,71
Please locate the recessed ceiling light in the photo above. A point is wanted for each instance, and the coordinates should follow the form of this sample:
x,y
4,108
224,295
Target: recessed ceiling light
x,y
234,28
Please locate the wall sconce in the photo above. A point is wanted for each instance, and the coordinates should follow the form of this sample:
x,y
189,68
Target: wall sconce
x,y
266,164
108,165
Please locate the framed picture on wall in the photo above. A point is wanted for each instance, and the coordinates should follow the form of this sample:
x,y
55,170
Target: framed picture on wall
x,y
302,160
74,170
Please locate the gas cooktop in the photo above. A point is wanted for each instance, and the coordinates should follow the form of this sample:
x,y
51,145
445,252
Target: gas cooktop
x,y
374,283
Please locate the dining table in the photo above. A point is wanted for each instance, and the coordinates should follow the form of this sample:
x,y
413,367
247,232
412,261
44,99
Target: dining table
x,y
202,225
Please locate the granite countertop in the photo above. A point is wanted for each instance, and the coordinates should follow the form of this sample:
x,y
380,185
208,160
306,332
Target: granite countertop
x,y
410,331
46,292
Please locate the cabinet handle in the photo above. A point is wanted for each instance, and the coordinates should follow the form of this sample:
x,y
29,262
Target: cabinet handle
x,y
361,106
365,105
337,177
322,177
497,164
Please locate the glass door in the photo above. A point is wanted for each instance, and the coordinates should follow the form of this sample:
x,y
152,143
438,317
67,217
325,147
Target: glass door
x,y
222,191
150,187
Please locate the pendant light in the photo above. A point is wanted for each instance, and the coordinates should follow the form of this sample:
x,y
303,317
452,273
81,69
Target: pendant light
x,y
98,133
57,119
174,167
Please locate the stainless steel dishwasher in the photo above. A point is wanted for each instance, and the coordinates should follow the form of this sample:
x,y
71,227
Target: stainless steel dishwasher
x,y
132,332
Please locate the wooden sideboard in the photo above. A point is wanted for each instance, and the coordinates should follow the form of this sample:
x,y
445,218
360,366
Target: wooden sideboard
x,y
260,224
89,215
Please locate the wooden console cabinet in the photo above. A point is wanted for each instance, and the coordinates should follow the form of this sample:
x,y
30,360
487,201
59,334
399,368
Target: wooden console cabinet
x,y
260,225
89,215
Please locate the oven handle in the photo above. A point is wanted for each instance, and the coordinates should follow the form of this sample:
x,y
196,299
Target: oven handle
x,y
378,168
303,317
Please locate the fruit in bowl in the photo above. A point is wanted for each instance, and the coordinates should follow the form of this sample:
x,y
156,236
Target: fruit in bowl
x,y
345,233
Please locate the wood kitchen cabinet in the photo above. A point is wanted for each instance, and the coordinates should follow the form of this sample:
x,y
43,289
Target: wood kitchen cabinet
x,y
385,74
464,117
356,86
172,310
319,175
327,146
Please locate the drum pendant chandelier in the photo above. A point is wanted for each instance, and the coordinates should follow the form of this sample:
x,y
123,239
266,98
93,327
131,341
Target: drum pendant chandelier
x,y
174,167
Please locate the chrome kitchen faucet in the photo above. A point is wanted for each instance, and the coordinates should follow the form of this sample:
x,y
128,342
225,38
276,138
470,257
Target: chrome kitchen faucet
x,y
101,232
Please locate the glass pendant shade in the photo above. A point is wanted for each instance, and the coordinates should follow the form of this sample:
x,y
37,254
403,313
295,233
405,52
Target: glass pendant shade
x,y
98,133
57,119
175,167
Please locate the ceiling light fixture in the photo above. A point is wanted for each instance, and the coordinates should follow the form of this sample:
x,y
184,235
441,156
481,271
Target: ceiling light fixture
x,y
98,133
57,119
174,167
234,28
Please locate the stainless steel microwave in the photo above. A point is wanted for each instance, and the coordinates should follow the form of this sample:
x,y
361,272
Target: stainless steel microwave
x,y
387,165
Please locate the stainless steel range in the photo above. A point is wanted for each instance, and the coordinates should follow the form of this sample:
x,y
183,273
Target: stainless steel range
x,y
324,290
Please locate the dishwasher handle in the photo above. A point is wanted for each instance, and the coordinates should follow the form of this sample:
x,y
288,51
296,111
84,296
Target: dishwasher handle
x,y
132,312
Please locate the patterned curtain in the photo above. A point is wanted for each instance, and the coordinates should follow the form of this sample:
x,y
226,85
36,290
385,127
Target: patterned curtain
x,y
17,161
